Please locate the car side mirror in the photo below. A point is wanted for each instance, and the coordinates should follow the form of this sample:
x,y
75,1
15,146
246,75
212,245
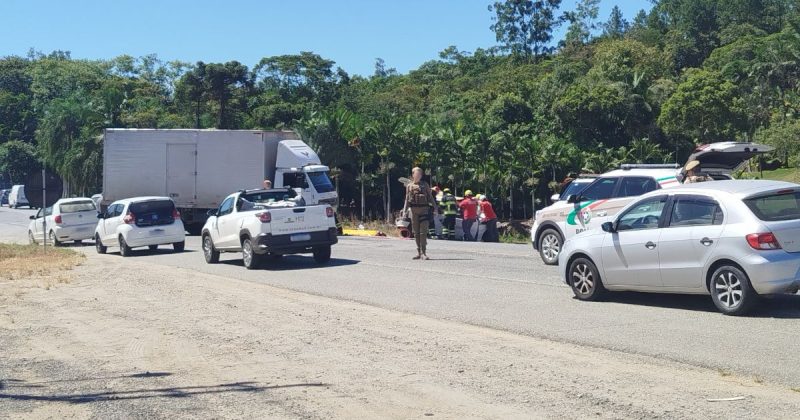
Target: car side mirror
x,y
608,227
101,216
573,198
555,197
32,217
212,212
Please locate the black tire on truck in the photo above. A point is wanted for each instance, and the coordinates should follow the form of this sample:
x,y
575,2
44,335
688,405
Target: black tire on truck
x,y
209,252
322,254
250,259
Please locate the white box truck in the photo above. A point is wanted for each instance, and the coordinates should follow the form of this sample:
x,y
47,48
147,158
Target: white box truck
x,y
199,168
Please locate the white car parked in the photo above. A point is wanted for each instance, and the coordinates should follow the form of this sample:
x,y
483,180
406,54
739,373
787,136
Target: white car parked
x,y
16,197
138,222
69,219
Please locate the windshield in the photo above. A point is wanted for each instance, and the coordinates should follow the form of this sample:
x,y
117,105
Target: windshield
x,y
573,188
776,207
152,213
321,182
77,206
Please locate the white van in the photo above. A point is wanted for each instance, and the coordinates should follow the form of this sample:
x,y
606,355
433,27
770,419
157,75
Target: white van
x,y
16,198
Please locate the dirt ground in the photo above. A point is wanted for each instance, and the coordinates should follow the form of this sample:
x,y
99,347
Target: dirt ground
x,y
120,338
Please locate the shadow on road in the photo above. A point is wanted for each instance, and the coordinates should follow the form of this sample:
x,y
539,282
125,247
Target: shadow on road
x,y
294,262
36,391
782,306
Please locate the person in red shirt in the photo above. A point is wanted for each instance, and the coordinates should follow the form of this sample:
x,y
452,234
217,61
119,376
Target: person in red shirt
x,y
489,220
469,214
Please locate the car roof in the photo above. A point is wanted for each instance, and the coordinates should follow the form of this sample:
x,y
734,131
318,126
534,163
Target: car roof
x,y
649,172
74,199
741,188
140,199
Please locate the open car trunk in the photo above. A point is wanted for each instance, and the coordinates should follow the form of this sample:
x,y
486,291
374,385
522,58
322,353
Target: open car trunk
x,y
726,157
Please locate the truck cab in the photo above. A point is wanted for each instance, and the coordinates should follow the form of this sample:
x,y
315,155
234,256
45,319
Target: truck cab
x,y
298,167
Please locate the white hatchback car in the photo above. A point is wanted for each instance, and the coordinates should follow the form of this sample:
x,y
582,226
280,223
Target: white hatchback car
x,y
138,222
69,219
734,240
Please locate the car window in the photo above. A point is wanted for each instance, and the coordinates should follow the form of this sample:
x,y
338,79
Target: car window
x,y
48,211
321,182
784,205
114,210
572,189
226,207
636,186
644,215
152,212
77,206
695,212
600,189
39,213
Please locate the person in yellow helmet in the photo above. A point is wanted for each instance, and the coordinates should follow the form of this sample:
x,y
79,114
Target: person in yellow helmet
x,y
449,208
469,214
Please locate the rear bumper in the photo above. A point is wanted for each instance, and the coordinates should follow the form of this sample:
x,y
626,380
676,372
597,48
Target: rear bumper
x,y
74,233
283,244
156,235
773,272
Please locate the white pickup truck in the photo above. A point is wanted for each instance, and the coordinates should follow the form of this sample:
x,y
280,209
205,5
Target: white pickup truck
x,y
264,223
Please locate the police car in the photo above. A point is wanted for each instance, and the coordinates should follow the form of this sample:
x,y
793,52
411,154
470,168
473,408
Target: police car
x,y
605,196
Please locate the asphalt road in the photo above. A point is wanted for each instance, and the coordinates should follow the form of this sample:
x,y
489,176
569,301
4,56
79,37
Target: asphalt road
x,y
506,287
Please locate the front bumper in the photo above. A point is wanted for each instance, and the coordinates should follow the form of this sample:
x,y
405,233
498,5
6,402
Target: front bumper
x,y
773,272
283,244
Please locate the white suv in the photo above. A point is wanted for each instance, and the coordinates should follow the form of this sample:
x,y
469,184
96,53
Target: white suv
x,y
69,219
137,222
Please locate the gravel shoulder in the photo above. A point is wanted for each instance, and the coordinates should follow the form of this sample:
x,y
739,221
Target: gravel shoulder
x,y
121,338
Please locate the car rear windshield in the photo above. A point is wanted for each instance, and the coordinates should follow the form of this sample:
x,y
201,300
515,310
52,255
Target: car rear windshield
x,y
269,196
77,206
153,213
776,207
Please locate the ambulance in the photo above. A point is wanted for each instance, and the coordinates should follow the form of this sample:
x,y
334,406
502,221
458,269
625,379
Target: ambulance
x,y
600,201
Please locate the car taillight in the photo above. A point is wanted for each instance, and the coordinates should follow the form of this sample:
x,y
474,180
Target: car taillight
x,y
176,214
329,211
129,218
264,217
58,219
763,241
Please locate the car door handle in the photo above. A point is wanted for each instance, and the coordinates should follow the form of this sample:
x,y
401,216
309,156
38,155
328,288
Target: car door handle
x,y
650,245
602,213
706,241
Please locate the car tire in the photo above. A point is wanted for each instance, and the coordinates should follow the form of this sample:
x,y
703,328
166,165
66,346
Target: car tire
x,y
250,259
584,279
152,247
31,239
322,254
53,240
124,249
731,291
209,252
550,242
179,246
98,245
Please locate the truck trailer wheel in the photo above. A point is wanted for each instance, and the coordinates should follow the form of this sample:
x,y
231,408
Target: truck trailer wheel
x,y
322,254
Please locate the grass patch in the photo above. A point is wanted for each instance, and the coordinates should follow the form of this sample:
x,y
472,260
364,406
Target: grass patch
x,y
514,237
783,174
23,261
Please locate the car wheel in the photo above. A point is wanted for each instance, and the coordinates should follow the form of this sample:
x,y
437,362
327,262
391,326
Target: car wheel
x,y
585,280
124,249
53,240
31,239
249,257
731,291
152,247
179,246
209,252
549,246
98,245
322,254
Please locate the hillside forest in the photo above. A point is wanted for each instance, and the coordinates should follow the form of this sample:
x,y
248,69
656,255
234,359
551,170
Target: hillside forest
x,y
509,121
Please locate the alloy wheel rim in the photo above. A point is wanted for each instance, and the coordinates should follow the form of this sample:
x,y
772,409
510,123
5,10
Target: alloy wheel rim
x,y
583,279
550,247
52,239
247,253
31,239
729,289
207,247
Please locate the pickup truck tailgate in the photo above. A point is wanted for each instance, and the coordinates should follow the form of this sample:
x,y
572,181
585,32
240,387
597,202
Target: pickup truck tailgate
x,y
300,219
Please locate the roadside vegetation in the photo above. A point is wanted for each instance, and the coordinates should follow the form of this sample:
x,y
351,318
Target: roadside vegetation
x,y
509,121
29,261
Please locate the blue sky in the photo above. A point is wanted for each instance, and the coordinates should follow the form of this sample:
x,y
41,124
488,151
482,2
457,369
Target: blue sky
x,y
353,33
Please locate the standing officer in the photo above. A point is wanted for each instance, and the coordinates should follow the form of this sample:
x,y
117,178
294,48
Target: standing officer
x,y
420,200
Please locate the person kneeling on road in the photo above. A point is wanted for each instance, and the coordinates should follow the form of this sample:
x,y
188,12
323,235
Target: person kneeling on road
x,y
419,200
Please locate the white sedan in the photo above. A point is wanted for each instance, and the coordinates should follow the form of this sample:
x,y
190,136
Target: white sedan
x,y
69,219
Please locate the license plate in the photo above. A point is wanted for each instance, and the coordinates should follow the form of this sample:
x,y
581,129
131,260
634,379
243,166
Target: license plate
x,y
300,237
157,232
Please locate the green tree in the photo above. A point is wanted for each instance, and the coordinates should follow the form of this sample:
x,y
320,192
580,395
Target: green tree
x,y
616,26
525,27
17,161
